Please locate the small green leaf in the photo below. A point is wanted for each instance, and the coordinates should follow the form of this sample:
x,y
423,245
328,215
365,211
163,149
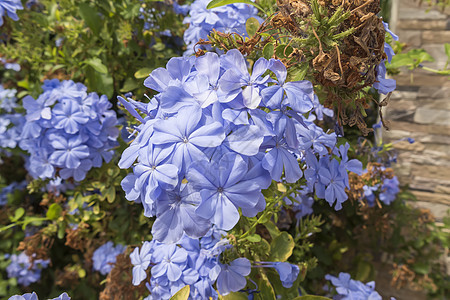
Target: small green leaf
x,y
282,247
54,211
143,73
110,194
97,65
182,294
251,26
218,3
18,214
254,238
268,51
129,85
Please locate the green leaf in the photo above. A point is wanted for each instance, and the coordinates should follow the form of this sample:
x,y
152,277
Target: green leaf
x,y
90,17
143,73
218,3
18,214
129,85
254,238
268,51
54,211
311,297
265,286
111,194
421,268
447,50
97,65
251,26
282,247
182,294
283,51
234,296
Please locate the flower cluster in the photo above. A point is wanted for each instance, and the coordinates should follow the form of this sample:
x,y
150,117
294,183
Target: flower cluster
x,y
348,288
104,257
193,262
216,136
387,191
33,296
10,7
228,18
11,123
68,130
24,270
382,84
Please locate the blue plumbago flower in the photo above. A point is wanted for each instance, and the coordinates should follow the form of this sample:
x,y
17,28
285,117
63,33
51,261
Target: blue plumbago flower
x,y
302,206
288,272
389,190
348,288
10,7
7,99
382,84
232,276
369,194
4,192
104,257
227,132
223,188
67,129
229,18
10,65
176,265
387,48
25,271
33,296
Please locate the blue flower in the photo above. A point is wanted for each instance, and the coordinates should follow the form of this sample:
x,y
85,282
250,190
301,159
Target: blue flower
x,y
170,262
67,131
334,178
10,7
188,136
25,271
389,190
348,288
140,259
232,276
33,296
176,215
223,189
288,272
383,85
104,257
8,99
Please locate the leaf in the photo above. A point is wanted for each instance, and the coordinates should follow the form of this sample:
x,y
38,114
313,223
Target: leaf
x,y
265,287
283,51
273,230
129,85
251,26
281,247
218,3
254,238
54,211
18,214
97,65
111,194
143,73
311,297
182,294
447,50
90,17
268,51
234,296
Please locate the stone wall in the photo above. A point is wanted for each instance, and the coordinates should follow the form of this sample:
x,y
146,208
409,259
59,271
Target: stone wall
x,y
420,108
